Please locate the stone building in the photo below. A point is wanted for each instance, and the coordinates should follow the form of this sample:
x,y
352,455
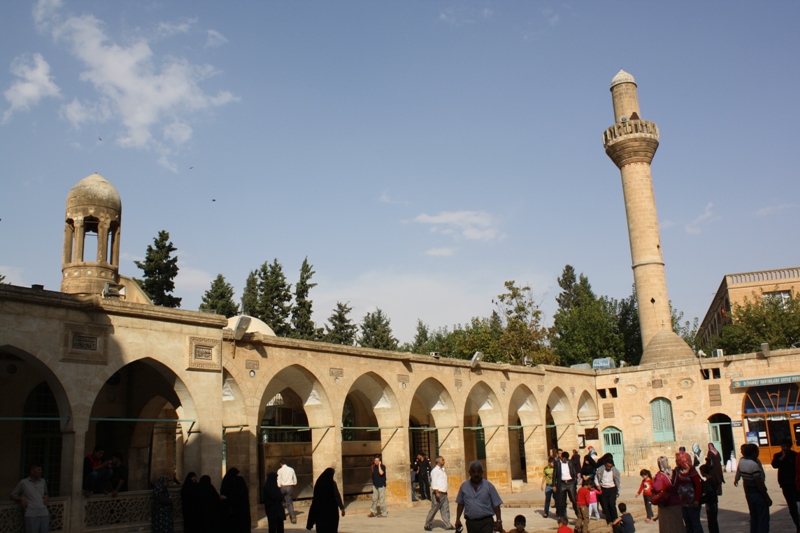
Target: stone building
x,y
178,391
735,288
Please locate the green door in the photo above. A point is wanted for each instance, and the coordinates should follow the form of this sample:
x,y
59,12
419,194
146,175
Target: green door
x,y
612,443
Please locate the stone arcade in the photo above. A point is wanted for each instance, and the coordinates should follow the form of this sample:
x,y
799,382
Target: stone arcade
x,y
178,390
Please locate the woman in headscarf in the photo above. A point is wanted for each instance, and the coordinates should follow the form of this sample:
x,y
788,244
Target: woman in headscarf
x,y
236,503
670,516
697,454
714,462
190,503
273,504
687,482
209,504
325,506
162,521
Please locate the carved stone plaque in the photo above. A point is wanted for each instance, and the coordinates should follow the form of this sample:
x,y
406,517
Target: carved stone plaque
x,y
337,372
204,354
251,364
84,343
403,378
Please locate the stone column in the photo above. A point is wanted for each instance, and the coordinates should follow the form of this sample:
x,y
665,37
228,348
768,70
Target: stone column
x,y
394,446
79,240
498,464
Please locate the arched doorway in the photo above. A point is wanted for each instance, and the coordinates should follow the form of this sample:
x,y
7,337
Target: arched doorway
x,y
486,436
41,435
720,433
295,422
432,425
525,435
560,422
771,413
613,444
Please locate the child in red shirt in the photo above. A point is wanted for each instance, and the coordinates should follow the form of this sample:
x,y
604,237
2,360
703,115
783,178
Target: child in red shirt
x,y
582,501
564,525
646,488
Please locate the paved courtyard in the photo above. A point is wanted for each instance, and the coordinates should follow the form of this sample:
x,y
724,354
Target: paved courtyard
x,y
733,514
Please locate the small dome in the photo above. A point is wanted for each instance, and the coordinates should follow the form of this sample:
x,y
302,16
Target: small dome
x,y
622,77
94,190
666,346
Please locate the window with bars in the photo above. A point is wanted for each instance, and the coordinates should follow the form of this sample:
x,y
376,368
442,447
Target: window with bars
x,y
663,426
41,439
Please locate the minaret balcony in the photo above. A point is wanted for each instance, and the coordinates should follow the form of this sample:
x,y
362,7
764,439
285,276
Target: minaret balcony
x,y
633,141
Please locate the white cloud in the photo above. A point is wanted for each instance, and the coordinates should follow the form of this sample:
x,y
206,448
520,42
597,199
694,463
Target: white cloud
x,y
34,84
385,198
441,252
666,224
215,39
551,16
193,280
463,16
772,209
694,227
168,29
472,225
14,275
145,93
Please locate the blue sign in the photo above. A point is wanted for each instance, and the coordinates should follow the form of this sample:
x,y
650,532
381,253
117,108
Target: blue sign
x,y
780,380
604,363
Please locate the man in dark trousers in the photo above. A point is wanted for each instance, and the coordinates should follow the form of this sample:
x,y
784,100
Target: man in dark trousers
x,y
786,463
608,479
423,468
565,479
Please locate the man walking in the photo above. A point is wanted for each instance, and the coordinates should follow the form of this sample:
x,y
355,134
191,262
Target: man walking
x,y
785,461
439,501
609,481
31,494
752,475
287,480
378,489
565,478
478,500
423,467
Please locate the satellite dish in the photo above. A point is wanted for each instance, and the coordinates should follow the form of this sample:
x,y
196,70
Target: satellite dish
x,y
241,327
477,358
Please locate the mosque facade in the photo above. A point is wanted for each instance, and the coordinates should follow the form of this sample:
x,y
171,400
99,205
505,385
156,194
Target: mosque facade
x,y
178,391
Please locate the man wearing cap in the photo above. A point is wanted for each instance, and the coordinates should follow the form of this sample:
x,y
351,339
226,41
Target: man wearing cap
x,y
785,462
478,500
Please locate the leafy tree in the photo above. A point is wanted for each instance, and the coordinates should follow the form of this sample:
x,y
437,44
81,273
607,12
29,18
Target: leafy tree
x,y
302,325
274,298
2,278
219,298
160,270
628,325
523,334
585,327
376,332
686,330
341,329
250,294
769,317
421,338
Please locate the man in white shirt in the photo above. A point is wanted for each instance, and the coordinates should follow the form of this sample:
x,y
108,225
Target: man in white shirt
x,y
439,501
287,481
31,494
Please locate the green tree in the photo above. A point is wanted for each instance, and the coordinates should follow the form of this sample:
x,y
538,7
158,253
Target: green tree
x,y
2,278
219,298
628,325
376,332
523,334
250,294
772,317
686,330
585,327
274,298
341,329
302,325
421,338
160,270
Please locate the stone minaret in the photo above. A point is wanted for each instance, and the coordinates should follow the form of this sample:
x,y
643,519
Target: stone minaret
x,y
631,144
94,209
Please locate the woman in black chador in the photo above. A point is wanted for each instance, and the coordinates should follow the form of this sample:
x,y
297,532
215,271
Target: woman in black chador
x,y
236,505
325,506
273,504
208,512
190,503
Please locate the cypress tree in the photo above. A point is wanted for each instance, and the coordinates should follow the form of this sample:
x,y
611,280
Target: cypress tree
x,y
376,332
219,298
341,329
160,270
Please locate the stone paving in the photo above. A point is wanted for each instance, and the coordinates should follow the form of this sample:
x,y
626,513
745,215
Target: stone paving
x,y
733,514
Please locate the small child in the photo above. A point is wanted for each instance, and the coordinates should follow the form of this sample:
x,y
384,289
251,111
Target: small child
x,y
582,501
519,525
563,525
710,498
594,512
623,524
646,488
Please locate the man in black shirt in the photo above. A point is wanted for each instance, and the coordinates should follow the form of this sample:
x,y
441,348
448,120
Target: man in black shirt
x,y
423,468
785,461
378,489
119,475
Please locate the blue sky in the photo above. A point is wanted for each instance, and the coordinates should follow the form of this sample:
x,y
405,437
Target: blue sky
x,y
418,153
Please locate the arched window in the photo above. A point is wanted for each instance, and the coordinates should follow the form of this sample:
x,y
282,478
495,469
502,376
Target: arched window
x,y
663,426
41,439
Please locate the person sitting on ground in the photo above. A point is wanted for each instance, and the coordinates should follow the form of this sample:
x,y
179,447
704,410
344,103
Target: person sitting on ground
x,y
519,525
563,525
623,524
